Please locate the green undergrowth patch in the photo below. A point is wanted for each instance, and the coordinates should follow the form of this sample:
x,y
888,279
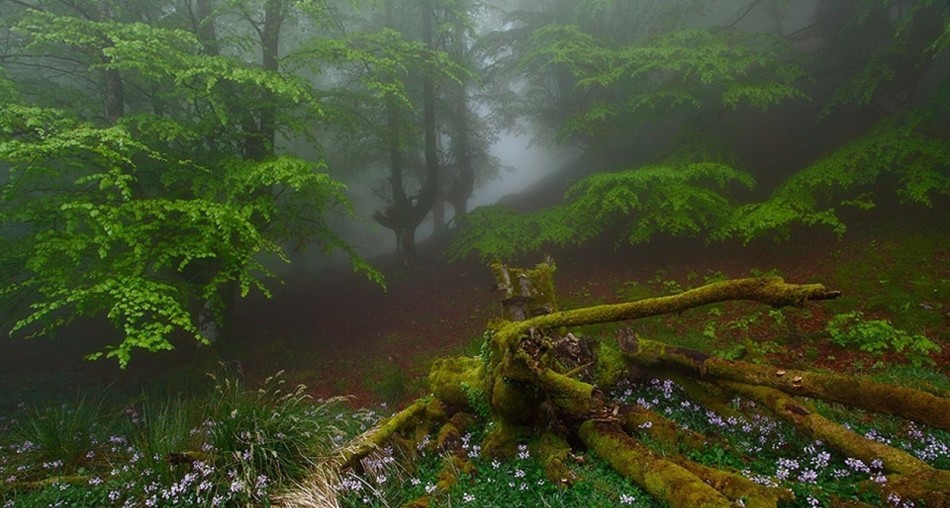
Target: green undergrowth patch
x,y
239,446
234,446
478,480
901,277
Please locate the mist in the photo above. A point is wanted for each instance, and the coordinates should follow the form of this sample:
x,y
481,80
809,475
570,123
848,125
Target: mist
x,y
453,253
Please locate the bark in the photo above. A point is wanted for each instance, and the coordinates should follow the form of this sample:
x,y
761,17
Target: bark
x,y
526,292
853,391
405,213
661,478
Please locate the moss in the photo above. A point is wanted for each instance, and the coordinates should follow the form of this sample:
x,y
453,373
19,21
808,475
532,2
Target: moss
x,y
571,396
447,375
375,439
501,440
670,435
610,365
735,486
422,502
452,467
844,440
661,478
913,404
515,401
553,452
449,438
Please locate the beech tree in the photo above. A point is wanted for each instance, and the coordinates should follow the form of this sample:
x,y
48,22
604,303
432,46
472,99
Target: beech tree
x,y
684,79
168,197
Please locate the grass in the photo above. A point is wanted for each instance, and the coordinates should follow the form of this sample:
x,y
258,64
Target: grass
x,y
235,446
231,447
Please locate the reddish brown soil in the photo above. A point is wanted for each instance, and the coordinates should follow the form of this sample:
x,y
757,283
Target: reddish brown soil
x,y
339,334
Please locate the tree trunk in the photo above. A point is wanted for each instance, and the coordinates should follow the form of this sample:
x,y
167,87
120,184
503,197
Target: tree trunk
x,y
405,214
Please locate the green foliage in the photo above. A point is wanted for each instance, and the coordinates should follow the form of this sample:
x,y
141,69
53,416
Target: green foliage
x,y
878,336
896,150
697,68
66,435
271,431
142,220
907,38
675,199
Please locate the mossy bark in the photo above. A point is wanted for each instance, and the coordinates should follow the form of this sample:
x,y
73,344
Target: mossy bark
x,y
853,391
847,441
379,435
528,391
526,292
661,478
837,436
672,435
735,486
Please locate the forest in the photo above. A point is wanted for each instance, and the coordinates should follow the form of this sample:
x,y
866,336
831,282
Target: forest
x,y
486,253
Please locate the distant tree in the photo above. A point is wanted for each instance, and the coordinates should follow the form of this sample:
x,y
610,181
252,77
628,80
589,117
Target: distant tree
x,y
154,206
685,79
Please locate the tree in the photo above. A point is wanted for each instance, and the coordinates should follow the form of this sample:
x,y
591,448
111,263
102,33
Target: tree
x,y
687,81
159,206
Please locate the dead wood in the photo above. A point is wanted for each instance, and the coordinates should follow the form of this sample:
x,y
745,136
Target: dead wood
x,y
852,391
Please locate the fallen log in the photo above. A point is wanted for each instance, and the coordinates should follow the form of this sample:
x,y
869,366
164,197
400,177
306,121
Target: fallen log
x,y
852,391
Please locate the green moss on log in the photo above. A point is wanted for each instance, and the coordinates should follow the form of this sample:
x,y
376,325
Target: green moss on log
x,y
661,478
852,391
573,397
836,436
376,437
610,365
736,487
670,435
447,375
553,451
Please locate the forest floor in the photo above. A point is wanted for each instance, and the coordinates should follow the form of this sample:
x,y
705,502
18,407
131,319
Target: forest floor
x,y
340,334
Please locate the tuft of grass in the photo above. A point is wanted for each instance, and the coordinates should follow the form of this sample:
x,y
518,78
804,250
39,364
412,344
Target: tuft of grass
x,y
61,438
230,447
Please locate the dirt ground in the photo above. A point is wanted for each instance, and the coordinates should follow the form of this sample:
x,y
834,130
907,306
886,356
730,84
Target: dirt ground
x,y
341,334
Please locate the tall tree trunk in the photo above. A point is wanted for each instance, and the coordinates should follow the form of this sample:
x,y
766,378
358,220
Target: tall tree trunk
x,y
405,214
274,14
431,186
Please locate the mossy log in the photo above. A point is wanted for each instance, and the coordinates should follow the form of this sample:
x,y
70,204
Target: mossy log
x,y
736,486
377,437
836,436
852,391
635,418
661,478
922,477
526,390
772,291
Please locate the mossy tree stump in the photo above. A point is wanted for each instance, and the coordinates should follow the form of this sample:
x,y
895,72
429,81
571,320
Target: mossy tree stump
x,y
524,384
